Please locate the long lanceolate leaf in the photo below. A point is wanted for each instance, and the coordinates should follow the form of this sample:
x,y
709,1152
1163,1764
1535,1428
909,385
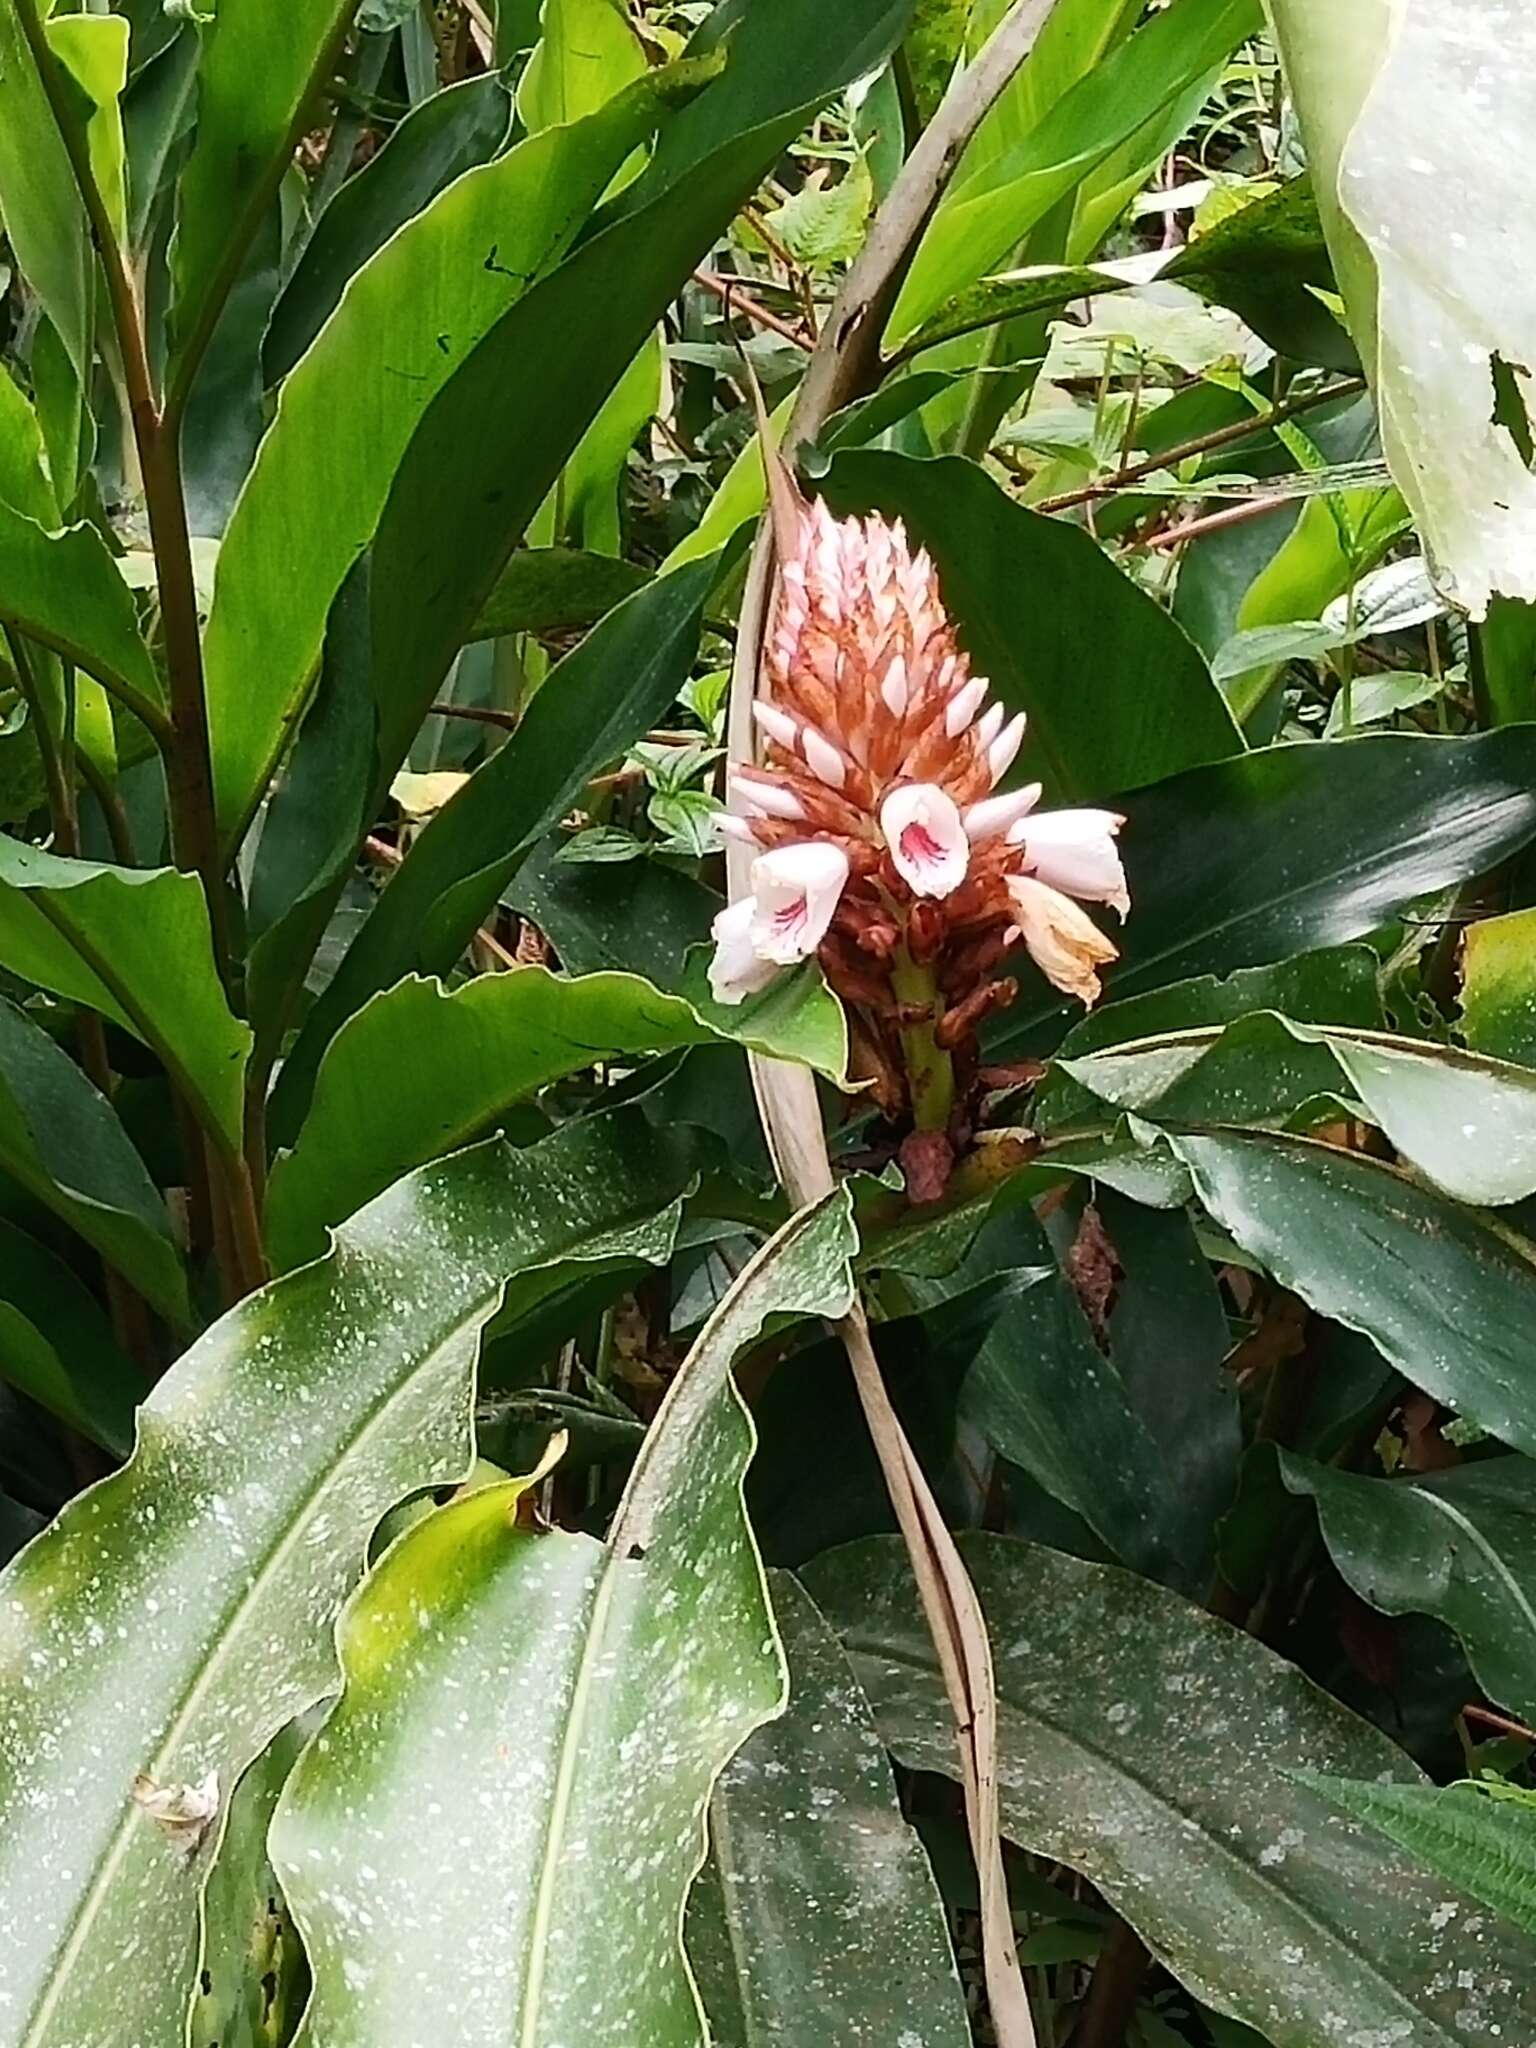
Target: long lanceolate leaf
x,y
409,321
594,1692
174,1618
1155,1749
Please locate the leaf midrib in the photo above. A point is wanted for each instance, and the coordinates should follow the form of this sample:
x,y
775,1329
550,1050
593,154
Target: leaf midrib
x,y
890,1655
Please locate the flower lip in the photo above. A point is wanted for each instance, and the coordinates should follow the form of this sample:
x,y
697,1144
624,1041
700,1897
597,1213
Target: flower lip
x,y
926,838
1075,851
737,970
795,890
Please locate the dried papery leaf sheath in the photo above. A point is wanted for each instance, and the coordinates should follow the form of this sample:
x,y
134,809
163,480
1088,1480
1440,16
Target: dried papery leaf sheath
x,y
883,845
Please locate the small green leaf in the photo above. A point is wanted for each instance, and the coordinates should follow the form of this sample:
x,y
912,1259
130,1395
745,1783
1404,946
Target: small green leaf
x,y
823,225
1460,1545
687,818
1483,1845
603,844
1498,992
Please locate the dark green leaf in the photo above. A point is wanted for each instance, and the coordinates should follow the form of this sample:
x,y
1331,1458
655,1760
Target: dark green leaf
x,y
1127,1724
1460,1545
1116,695
1443,1294
436,142
554,590
1297,847
57,1346
816,1919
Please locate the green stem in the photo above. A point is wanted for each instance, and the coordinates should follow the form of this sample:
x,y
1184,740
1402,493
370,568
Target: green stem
x,y
930,1071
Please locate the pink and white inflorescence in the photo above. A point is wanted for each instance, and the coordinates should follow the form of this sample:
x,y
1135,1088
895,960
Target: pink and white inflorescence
x,y
880,829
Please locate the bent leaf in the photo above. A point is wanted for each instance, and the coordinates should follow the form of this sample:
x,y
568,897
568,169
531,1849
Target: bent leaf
x,y
1404,111
597,1690
134,944
65,591
379,1109
62,1141
1460,1545
1442,1292
175,1617
1466,1121
1127,1722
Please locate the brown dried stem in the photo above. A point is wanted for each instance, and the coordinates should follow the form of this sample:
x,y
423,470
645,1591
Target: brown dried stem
x,y
845,364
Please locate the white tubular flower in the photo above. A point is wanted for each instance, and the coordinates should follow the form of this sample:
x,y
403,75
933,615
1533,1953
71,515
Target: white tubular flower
x,y
795,890
1063,940
1075,851
737,970
995,814
927,841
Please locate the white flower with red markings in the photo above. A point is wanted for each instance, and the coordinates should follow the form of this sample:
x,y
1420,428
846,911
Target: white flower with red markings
x,y
886,848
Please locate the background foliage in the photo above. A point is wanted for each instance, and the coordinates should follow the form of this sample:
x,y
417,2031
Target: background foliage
x,y
451,1584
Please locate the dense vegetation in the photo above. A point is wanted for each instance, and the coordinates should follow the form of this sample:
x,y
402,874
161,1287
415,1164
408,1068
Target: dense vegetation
x,y
767,1024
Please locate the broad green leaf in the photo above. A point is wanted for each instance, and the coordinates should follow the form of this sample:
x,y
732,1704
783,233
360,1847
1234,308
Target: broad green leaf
x,y
986,213
379,1109
553,590
57,1346
258,71
1116,694
63,1142
587,52
40,202
1126,1723
1335,985
816,1919
25,484
174,1618
65,591
591,709
1484,1845
1441,1291
411,318
544,371
1460,1545
438,141
252,1976
1401,119
1259,262
1295,847
1498,986
556,1809
1467,1122
134,944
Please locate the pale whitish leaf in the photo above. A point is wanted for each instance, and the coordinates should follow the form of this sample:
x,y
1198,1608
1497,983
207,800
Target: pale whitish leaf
x,y
1405,112
602,843
1370,699
1387,600
532,1724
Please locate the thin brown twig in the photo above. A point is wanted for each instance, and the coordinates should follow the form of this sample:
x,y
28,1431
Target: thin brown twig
x,y
1201,444
1217,522
736,301
1502,1722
